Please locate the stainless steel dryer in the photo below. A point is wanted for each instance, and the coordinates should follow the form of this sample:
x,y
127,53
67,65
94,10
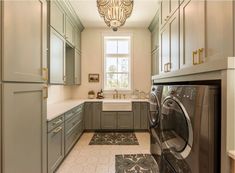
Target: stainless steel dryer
x,y
189,118
154,119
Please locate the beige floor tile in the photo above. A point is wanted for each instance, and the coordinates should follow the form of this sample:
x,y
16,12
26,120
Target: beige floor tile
x,y
85,158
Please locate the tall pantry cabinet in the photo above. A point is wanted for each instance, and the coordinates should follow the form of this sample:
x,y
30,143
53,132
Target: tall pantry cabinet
x,y
23,86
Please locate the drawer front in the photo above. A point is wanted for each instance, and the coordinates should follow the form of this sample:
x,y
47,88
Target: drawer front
x,y
55,122
78,109
68,114
72,137
69,124
55,148
74,111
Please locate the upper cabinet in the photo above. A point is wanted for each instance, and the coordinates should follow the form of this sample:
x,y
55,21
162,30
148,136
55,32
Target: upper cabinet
x,y
192,36
65,42
24,41
57,17
191,33
70,36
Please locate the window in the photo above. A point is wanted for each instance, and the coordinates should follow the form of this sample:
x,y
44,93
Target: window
x,y
117,63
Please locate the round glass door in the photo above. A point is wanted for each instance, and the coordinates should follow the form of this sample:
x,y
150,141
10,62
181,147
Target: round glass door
x,y
154,110
176,127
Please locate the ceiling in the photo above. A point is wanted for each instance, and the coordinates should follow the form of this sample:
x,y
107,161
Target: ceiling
x,y
142,14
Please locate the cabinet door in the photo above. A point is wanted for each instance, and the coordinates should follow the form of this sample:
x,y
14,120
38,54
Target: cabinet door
x,y
24,40
77,68
109,120
78,40
165,11
24,128
69,65
164,48
192,28
125,120
57,54
174,41
57,17
144,115
97,107
136,112
174,5
88,111
55,148
155,62
69,31
155,38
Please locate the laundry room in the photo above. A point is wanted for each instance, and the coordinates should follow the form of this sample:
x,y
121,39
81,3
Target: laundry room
x,y
117,86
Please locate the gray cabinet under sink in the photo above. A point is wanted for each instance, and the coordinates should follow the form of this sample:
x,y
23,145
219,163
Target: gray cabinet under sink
x,y
108,120
124,120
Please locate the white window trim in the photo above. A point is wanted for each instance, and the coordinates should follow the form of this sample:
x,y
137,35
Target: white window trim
x,y
118,34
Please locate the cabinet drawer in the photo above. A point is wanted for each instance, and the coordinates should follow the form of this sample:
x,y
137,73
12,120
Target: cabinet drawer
x,y
72,136
78,109
69,124
55,148
55,122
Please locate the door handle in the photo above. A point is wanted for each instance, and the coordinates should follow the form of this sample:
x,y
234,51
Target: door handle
x,y
194,57
200,51
45,88
45,74
57,130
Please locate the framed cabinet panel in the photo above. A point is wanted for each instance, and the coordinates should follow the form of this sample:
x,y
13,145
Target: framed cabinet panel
x,y
164,48
164,11
136,114
109,120
192,31
24,128
125,120
69,65
155,62
57,55
69,31
55,148
144,108
78,66
57,17
24,40
97,108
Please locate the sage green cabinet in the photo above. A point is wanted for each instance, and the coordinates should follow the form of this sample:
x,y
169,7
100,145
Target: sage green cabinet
x,y
125,120
144,108
69,31
164,49
69,65
109,120
55,147
192,31
78,39
24,32
57,17
136,114
78,65
24,129
57,56
92,115
155,62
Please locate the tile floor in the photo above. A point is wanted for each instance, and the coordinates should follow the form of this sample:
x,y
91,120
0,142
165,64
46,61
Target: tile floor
x,y
85,158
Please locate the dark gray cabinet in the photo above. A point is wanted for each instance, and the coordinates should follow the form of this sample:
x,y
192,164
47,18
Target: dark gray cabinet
x,y
144,107
125,120
92,115
55,141
140,113
108,120
136,113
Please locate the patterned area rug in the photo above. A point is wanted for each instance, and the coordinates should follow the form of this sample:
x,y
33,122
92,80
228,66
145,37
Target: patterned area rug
x,y
135,163
110,138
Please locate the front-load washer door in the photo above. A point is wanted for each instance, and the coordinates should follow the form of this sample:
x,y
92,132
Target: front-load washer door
x,y
176,128
154,110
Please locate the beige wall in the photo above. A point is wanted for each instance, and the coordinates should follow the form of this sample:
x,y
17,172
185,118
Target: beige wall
x,y
57,93
92,59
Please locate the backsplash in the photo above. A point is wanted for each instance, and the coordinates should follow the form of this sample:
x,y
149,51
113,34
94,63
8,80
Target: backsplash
x,y
57,93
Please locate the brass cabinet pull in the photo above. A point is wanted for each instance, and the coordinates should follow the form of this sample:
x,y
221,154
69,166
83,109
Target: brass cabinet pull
x,y
45,88
200,51
57,130
57,122
45,74
194,58
168,67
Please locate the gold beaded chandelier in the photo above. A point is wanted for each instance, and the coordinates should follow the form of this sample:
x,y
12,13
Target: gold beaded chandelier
x,y
115,12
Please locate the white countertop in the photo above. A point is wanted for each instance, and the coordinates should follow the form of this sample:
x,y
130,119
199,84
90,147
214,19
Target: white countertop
x,y
56,109
232,154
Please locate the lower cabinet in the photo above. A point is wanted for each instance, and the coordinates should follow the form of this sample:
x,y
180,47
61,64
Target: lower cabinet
x,y
63,133
108,120
92,116
55,147
140,111
117,120
125,120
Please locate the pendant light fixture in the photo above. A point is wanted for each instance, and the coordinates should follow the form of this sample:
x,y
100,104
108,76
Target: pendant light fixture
x,y
115,12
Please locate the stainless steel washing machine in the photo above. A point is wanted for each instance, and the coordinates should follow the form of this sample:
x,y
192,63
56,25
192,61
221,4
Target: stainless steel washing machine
x,y
154,119
189,128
